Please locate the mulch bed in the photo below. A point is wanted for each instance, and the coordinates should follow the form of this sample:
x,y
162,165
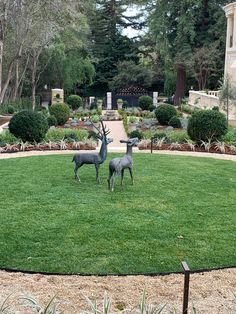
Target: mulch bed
x,y
18,148
186,148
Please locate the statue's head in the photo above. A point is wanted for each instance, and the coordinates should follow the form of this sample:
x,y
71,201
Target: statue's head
x,y
131,141
102,134
108,140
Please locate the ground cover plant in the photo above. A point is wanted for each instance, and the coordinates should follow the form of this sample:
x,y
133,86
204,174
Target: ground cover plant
x,y
180,208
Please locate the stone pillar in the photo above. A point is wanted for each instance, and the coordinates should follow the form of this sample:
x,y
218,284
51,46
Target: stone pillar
x,y
234,29
155,100
91,100
229,37
109,101
57,96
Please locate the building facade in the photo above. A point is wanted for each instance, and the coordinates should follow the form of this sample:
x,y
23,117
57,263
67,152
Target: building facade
x,y
230,52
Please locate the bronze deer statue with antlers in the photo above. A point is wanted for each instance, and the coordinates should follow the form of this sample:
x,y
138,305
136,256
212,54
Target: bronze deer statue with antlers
x,y
93,158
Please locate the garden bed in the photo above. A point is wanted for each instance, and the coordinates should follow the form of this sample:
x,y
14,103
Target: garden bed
x,y
46,147
227,149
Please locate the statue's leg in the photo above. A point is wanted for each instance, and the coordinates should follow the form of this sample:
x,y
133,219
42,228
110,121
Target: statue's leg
x,y
131,175
113,182
109,178
76,173
122,176
97,173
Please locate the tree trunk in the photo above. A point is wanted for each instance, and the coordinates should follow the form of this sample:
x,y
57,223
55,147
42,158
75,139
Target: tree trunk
x,y
180,84
16,81
6,84
1,57
33,82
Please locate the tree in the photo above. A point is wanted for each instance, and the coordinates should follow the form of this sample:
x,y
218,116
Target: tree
x,y
181,27
227,94
203,63
27,29
109,46
131,74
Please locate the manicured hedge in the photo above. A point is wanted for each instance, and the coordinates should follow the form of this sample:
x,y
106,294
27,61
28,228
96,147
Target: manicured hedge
x,y
61,112
207,124
28,126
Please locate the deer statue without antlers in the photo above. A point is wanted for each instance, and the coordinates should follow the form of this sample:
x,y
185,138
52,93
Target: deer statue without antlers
x,y
118,165
93,158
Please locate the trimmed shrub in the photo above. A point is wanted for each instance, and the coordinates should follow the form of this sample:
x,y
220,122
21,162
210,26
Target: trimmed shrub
x,y
132,119
164,113
55,135
52,121
229,137
178,136
7,137
61,112
207,124
136,133
175,122
28,126
74,101
145,102
10,109
95,118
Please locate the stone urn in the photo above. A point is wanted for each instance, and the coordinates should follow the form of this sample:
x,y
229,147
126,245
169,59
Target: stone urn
x,y
119,103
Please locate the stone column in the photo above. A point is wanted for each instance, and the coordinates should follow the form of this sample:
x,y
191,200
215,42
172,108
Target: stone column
x,y
229,30
155,100
109,101
234,29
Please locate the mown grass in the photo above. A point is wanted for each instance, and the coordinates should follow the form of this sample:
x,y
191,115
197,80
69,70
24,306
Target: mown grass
x,y
180,208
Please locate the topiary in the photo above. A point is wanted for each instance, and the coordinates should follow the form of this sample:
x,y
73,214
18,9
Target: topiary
x,y
207,124
10,109
175,122
29,126
136,133
61,112
74,101
145,102
164,113
52,120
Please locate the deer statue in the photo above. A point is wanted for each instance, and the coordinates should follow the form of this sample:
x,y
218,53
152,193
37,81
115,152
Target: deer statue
x,y
93,158
118,165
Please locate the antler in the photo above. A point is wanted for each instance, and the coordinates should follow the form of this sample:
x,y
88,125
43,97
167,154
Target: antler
x,y
104,129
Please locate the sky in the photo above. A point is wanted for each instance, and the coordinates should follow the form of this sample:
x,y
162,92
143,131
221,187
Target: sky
x,y
129,31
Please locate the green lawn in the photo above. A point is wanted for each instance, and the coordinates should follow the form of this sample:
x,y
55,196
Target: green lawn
x,y
180,208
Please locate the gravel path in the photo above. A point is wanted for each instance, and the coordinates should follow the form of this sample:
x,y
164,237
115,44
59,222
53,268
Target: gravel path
x,y
119,149
210,292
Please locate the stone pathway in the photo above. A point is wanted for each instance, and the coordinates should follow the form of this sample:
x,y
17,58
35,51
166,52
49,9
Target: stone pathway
x,y
121,149
117,133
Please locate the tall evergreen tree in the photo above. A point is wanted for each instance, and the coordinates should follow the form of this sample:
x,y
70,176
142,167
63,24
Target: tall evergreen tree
x,y
109,46
179,27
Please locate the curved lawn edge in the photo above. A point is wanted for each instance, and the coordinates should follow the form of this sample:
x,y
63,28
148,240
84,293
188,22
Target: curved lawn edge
x,y
119,150
151,274
218,263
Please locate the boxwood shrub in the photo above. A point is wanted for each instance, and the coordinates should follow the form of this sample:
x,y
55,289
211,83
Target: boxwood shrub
x,y
175,122
136,133
61,112
164,113
74,101
145,102
207,124
52,121
28,126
